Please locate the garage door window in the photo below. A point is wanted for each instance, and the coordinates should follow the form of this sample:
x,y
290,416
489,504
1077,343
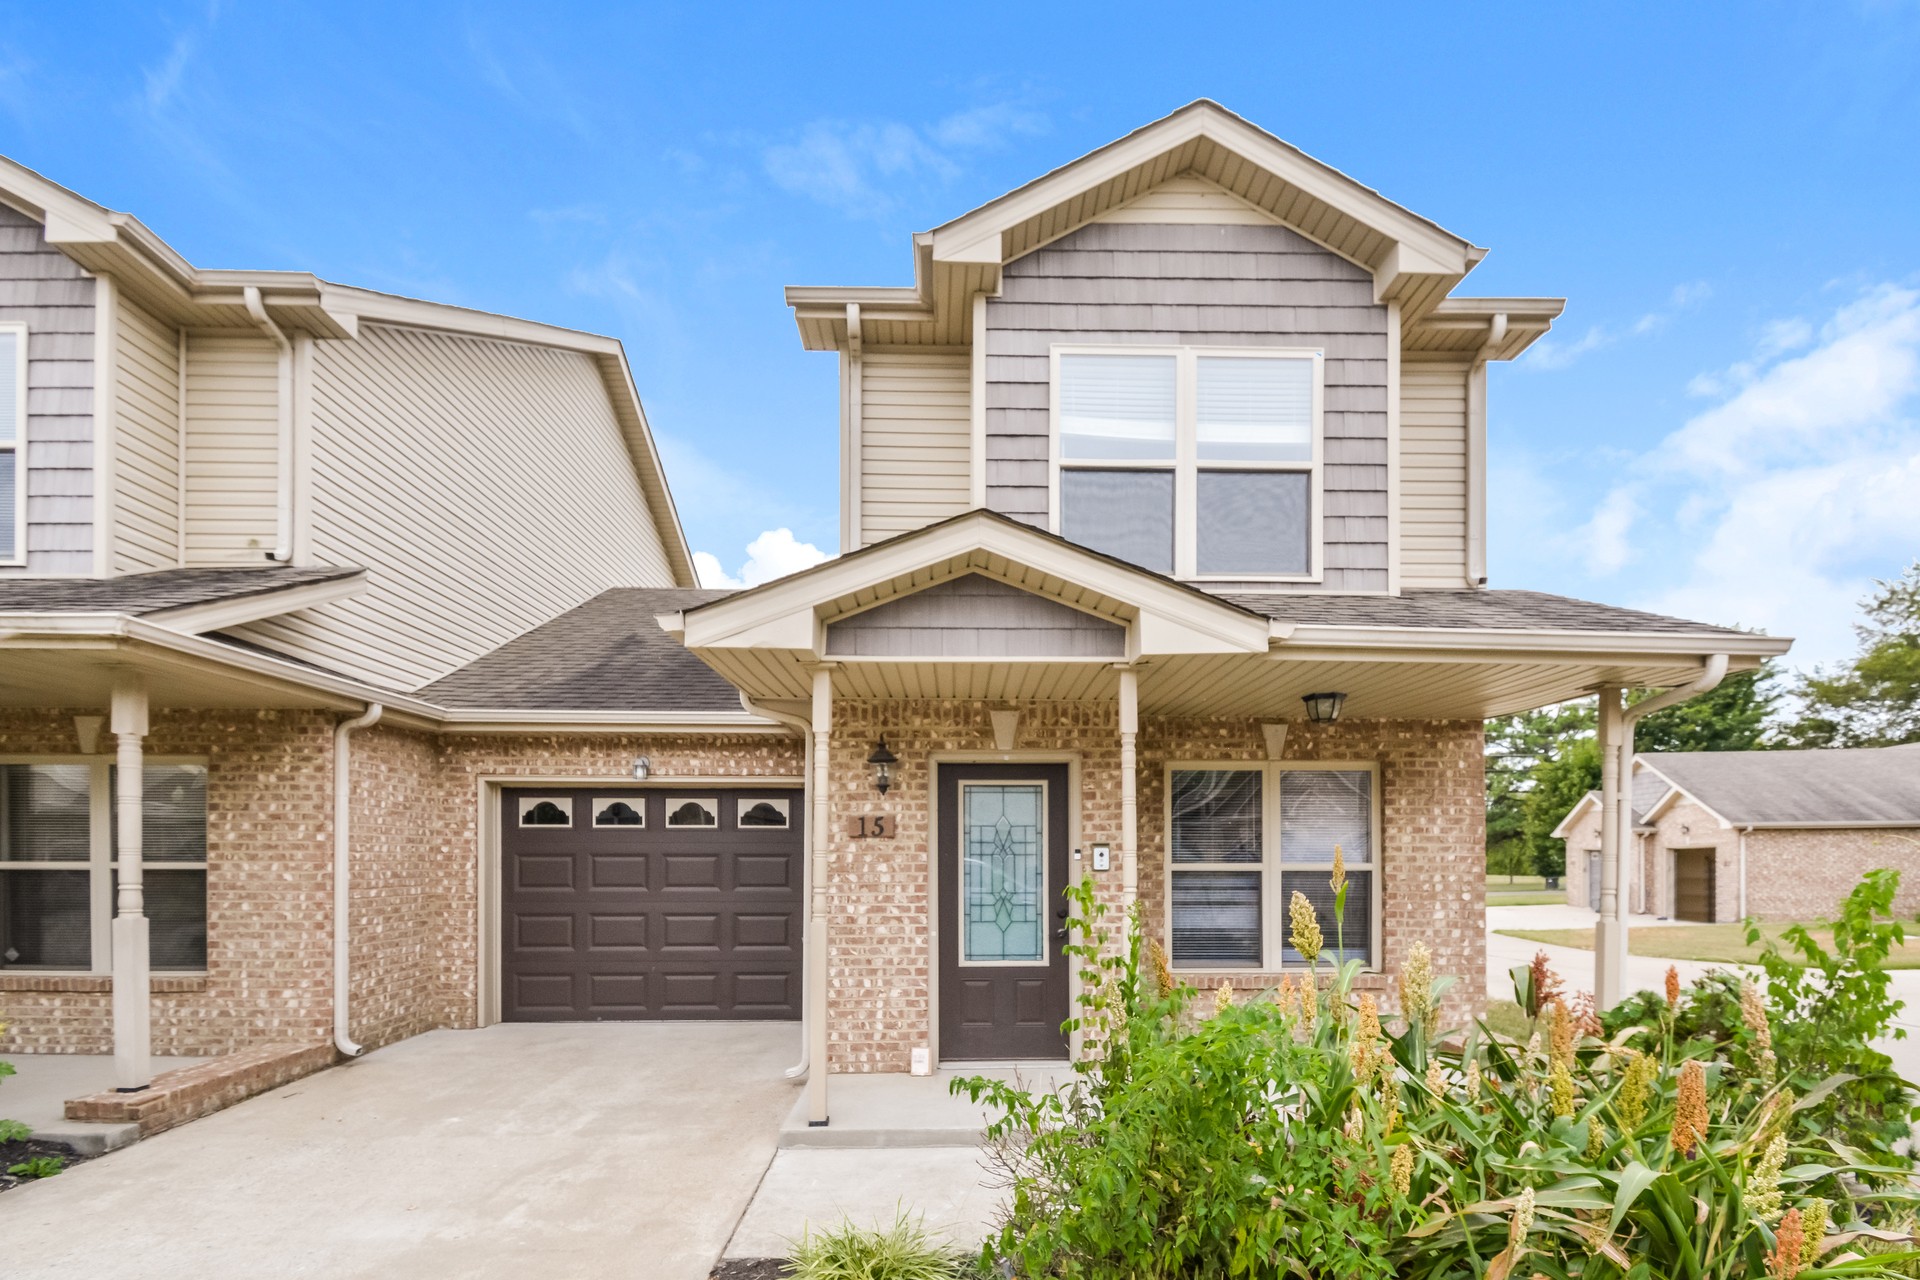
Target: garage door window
x,y
693,813
619,813
763,813
544,811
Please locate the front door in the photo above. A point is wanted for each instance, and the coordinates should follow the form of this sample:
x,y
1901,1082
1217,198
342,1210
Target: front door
x,y
1003,906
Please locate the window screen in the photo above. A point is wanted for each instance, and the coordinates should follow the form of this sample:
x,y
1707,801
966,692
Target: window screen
x,y
1254,410
176,911
46,810
1348,938
1321,808
1216,815
1117,407
1128,514
1252,522
1216,919
12,342
173,813
45,919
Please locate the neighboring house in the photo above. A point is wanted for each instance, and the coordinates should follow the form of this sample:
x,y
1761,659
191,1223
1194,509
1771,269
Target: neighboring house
x,y
1778,835
1164,565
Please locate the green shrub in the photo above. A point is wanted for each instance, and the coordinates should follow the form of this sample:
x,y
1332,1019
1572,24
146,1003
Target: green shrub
x,y
14,1131
37,1167
903,1251
1292,1135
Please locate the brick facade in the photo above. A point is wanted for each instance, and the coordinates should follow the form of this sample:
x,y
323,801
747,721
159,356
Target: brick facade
x,y
1792,873
417,864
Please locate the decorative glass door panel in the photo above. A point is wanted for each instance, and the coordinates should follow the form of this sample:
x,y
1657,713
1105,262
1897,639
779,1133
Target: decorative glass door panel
x,y
1003,873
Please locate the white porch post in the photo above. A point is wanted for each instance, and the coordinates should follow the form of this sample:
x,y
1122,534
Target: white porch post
x,y
1129,799
817,907
132,1030
1610,933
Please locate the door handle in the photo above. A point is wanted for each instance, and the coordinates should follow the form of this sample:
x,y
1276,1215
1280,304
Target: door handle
x,y
1061,914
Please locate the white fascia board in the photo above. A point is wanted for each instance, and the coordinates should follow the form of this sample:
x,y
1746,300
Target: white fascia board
x,y
197,619
513,720
1587,804
1515,640
975,236
775,616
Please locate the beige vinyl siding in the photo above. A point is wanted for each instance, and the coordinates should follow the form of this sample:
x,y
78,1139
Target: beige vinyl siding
x,y
484,485
232,448
1433,475
1191,200
915,441
146,511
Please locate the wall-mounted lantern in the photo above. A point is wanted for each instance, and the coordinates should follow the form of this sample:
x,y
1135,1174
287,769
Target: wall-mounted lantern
x,y
1324,708
642,768
882,761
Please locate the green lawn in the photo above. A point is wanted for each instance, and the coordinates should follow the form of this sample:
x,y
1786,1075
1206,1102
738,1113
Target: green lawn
x,y
1521,891
1712,943
1505,1018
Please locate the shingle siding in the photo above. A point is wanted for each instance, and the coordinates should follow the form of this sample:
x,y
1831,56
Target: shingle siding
x,y
1257,286
46,290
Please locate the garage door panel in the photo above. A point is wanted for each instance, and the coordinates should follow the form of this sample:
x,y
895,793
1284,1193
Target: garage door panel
x,y
637,920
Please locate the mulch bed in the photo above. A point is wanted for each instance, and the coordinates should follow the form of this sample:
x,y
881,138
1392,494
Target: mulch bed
x,y
752,1269
12,1153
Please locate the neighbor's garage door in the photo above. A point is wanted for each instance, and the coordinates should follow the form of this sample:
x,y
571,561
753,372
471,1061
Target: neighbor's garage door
x,y
622,904
1693,884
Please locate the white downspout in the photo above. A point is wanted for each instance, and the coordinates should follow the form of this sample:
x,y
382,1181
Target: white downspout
x,y
1743,869
283,422
342,848
811,1002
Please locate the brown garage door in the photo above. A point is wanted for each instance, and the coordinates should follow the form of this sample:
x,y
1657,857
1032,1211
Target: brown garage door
x,y
625,904
1693,884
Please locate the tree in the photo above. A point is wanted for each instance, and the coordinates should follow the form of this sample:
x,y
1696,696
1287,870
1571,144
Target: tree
x,y
1874,699
1730,717
1557,786
1515,746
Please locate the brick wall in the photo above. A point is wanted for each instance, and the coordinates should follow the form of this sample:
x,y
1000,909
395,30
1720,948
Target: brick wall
x,y
880,977
401,910
269,853
1803,873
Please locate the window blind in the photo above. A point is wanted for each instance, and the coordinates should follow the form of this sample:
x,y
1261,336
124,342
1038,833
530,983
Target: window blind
x,y
1117,407
1254,410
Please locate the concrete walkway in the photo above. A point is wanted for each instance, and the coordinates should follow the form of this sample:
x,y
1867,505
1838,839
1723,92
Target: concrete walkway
x,y
36,1095
582,1151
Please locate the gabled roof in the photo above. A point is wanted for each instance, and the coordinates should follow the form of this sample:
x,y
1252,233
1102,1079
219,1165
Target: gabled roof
x,y
1866,786
189,600
1648,791
148,270
1414,261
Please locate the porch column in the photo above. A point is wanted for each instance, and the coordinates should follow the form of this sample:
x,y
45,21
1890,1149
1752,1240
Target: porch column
x,y
817,904
132,1030
1610,934
1129,799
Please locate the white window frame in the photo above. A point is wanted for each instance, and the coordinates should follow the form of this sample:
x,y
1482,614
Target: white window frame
x,y
100,863
1186,464
1274,923
18,446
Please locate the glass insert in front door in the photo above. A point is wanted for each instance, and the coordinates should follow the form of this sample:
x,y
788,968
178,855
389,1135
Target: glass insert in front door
x,y
1003,873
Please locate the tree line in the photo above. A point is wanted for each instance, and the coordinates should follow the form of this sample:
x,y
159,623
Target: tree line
x,y
1540,763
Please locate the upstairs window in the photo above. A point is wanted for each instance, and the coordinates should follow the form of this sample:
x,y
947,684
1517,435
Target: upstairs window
x,y
1196,462
13,432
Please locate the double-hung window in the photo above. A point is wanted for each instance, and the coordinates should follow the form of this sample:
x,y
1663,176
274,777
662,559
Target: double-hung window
x,y
1198,462
60,864
13,434
1243,838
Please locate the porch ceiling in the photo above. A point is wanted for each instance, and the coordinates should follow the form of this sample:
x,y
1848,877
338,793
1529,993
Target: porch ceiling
x,y
83,678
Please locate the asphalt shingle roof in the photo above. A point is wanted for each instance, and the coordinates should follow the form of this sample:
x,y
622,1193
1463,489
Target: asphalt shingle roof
x,y
606,655
1504,610
1780,788
140,593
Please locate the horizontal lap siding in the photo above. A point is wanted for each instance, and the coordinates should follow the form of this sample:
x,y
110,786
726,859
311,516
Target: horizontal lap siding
x,y
1433,475
484,484
233,448
915,441
46,290
1222,285
146,470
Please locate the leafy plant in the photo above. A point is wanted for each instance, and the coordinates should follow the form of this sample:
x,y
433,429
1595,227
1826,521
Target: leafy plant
x,y
37,1167
14,1131
1298,1134
903,1251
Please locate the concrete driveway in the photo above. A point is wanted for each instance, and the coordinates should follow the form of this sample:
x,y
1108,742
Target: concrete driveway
x,y
565,1150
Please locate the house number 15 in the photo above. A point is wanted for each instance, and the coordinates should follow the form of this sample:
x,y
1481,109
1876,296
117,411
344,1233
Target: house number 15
x,y
877,827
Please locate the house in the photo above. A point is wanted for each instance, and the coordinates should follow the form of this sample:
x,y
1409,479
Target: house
x,y
1163,566
1777,835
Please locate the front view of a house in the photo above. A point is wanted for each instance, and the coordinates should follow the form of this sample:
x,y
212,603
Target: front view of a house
x,y
1163,566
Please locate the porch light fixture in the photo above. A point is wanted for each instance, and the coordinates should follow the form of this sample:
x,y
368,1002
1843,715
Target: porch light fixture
x,y
1324,708
882,761
642,768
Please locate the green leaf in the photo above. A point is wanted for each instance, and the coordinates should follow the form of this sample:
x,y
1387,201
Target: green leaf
x,y
1634,1180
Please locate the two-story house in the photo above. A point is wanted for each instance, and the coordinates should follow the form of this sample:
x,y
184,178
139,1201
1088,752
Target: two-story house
x,y
1163,565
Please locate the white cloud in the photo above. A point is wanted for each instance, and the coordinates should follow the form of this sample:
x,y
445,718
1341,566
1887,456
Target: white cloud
x,y
1788,497
854,165
1550,353
774,554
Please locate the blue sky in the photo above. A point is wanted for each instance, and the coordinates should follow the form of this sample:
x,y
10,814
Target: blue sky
x,y
1723,426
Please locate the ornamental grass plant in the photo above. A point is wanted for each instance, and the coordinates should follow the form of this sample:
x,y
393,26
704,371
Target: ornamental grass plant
x,y
1306,1132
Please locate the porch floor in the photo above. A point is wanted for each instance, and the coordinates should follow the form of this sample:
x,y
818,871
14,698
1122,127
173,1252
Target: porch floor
x,y
37,1093
908,1111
